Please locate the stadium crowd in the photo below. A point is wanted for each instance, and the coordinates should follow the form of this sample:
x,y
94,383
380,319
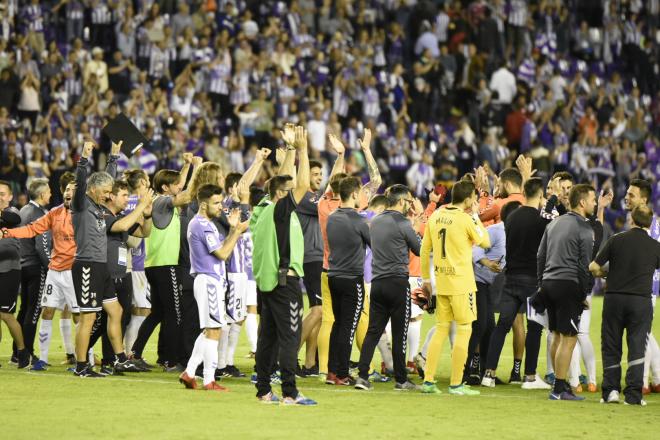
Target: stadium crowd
x,y
432,100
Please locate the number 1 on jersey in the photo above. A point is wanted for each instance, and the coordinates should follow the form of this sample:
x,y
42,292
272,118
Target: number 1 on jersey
x,y
443,237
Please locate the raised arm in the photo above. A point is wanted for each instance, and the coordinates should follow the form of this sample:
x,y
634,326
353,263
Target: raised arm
x,y
185,196
35,228
253,172
338,146
374,174
302,179
111,167
78,202
287,167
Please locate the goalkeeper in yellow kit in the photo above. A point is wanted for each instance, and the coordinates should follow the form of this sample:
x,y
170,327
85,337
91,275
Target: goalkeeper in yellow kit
x,y
450,234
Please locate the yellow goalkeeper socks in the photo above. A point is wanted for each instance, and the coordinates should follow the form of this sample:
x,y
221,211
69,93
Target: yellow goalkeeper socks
x,y
435,349
459,353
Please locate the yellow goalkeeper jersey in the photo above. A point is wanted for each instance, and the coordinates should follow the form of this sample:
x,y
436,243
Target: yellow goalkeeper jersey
x,y
449,236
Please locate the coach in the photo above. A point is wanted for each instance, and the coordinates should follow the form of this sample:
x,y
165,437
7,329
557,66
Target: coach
x,y
563,260
627,304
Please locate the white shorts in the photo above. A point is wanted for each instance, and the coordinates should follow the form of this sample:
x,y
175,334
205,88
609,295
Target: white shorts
x,y
415,310
141,290
236,300
251,299
210,296
59,292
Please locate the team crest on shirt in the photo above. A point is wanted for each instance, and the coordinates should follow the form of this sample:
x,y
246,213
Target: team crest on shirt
x,y
211,241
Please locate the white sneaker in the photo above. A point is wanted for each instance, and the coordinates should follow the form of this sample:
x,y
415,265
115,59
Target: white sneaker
x,y
488,382
613,397
536,384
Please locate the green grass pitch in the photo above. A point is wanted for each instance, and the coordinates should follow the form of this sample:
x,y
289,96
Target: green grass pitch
x,y
56,405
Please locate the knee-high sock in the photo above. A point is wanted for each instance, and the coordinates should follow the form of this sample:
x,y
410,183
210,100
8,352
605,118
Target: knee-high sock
x,y
90,356
386,352
252,328
323,342
550,368
588,356
652,361
459,353
132,331
452,333
45,333
221,348
197,355
234,333
210,359
574,369
414,335
67,339
427,341
655,359
388,332
435,350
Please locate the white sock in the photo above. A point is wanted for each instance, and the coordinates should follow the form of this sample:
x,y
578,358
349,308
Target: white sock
x,y
574,368
234,333
388,332
385,352
210,359
132,331
252,327
414,335
427,341
90,356
67,339
222,348
588,356
550,368
452,334
196,357
655,359
45,333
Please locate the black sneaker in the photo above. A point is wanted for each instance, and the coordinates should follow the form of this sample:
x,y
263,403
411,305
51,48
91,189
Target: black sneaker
x,y
23,359
300,372
173,368
219,373
128,366
515,375
233,371
311,372
473,380
498,381
141,363
352,365
14,359
70,359
87,372
108,370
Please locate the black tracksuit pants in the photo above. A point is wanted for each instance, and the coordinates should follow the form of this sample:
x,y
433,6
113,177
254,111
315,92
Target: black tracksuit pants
x,y
634,314
190,316
32,282
483,327
517,288
166,292
389,299
347,302
280,325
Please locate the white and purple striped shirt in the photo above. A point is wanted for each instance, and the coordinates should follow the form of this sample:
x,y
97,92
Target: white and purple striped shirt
x,y
218,77
371,103
33,17
517,15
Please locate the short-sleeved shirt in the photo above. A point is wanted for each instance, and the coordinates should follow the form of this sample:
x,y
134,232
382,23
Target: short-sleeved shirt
x,y
308,214
392,239
117,248
450,235
204,239
138,252
631,269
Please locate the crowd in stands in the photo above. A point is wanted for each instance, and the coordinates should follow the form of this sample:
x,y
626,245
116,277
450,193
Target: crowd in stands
x,y
444,86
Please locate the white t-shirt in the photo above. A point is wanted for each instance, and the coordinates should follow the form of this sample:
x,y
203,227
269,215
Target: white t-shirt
x,y
317,132
504,83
